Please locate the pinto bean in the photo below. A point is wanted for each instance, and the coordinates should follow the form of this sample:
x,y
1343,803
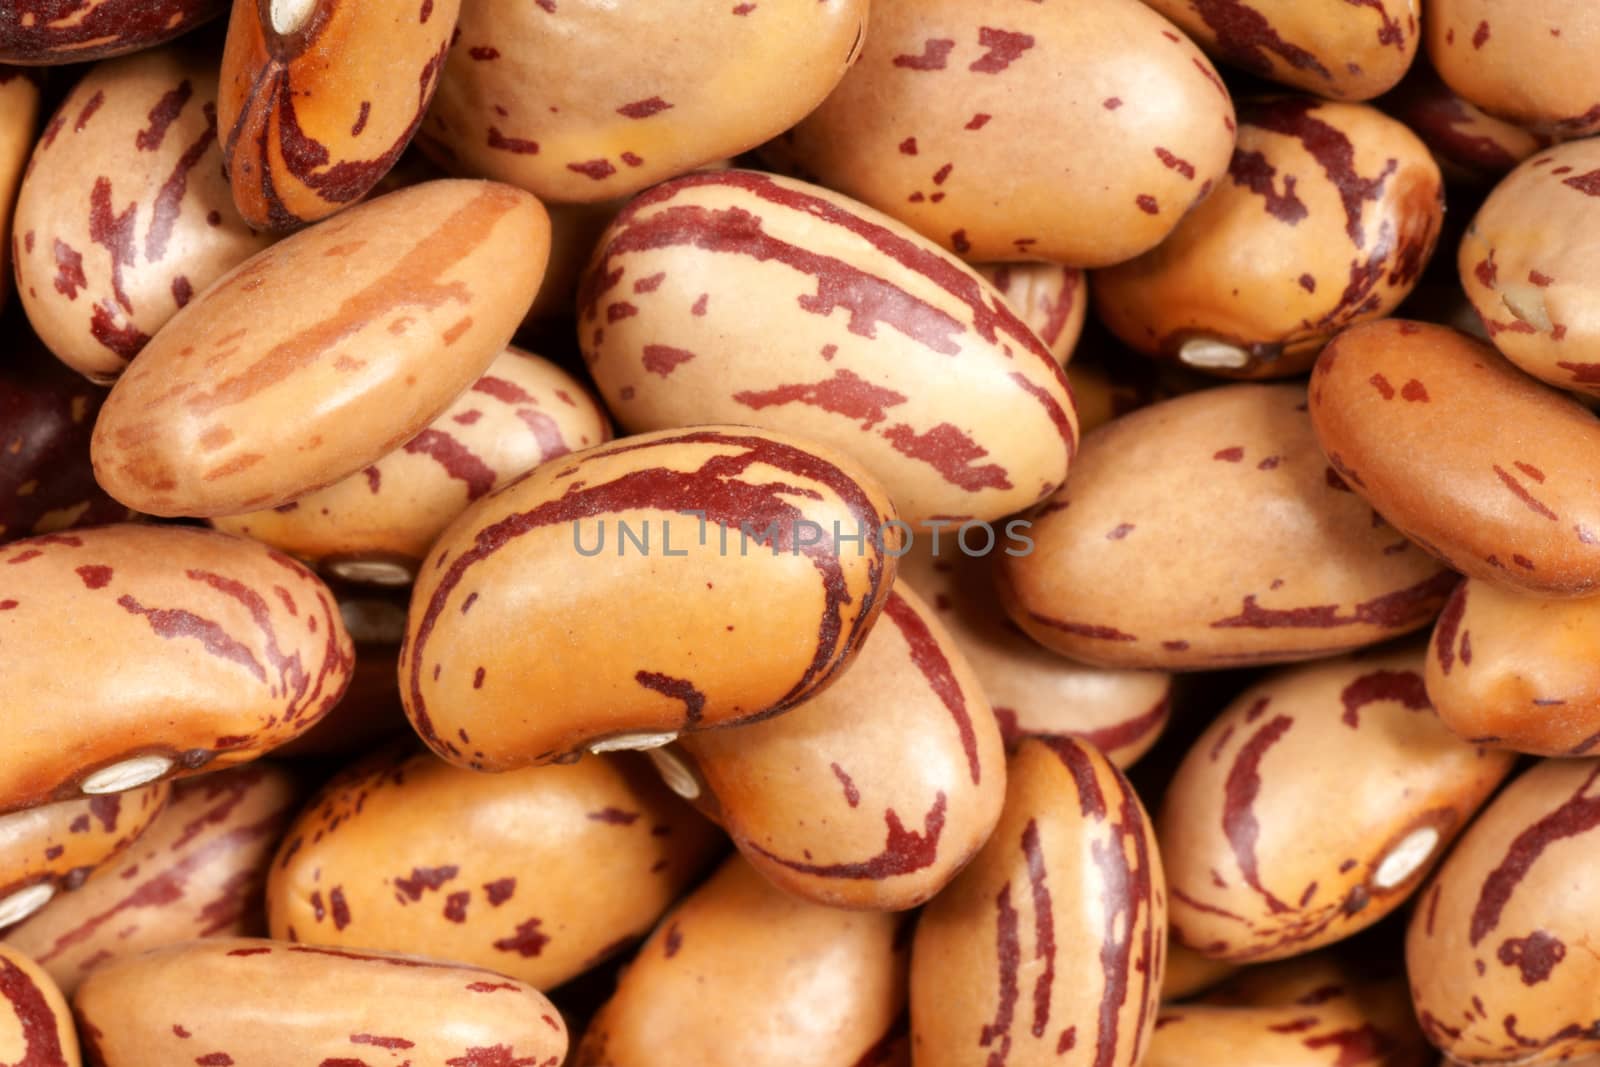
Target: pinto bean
x,y
1053,300
1470,145
50,33
35,1023
19,114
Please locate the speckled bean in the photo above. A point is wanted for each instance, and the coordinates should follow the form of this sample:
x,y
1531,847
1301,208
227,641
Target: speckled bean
x,y
55,847
187,649
1499,948
1035,692
198,871
1518,672
528,595
928,379
1532,64
376,525
1048,948
1253,790
35,1021
1344,49
48,32
19,114
250,1001
1077,134
1209,531
1470,145
320,97
1051,299
380,319
1328,216
46,416
900,763
741,973
533,94
1472,459
407,854
125,215
1528,265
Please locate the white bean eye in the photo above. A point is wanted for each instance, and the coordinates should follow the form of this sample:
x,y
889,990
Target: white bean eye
x,y
1210,352
632,742
384,572
1403,860
676,773
126,775
24,902
290,15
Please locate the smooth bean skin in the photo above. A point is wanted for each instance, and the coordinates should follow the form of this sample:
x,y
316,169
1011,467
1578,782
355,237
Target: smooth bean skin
x,y
1517,672
19,114
1321,46
1470,145
1034,691
1527,264
507,607
77,32
199,871
1497,949
378,524
245,999
46,417
741,973
1254,281
1121,382
1534,66
35,1022
1252,793
314,114
871,832
931,381
1071,869
61,845
370,711
533,95
1415,419
1209,531
347,365
405,853
1078,136
1051,299
1189,973
189,649
124,215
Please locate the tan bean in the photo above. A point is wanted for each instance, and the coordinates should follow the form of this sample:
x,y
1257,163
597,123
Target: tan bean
x,y
35,1023
1188,972
1470,145
1328,216
930,380
131,653
19,114
83,30
404,853
1321,46
1259,864
1498,949
1469,457
1035,692
1079,136
199,871
370,711
1048,948
229,411
1209,531
56,847
376,525
531,93
1051,299
741,973
320,97
1527,265
900,764
1517,672
538,592
246,1000
125,214
1533,66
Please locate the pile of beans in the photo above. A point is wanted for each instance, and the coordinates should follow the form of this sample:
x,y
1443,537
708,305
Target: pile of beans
x,y
799,533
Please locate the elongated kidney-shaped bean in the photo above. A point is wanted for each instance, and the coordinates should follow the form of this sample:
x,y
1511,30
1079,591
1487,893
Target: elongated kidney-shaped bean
x,y
408,854
378,320
19,112
130,653
1259,865
666,582
245,1000
1048,948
